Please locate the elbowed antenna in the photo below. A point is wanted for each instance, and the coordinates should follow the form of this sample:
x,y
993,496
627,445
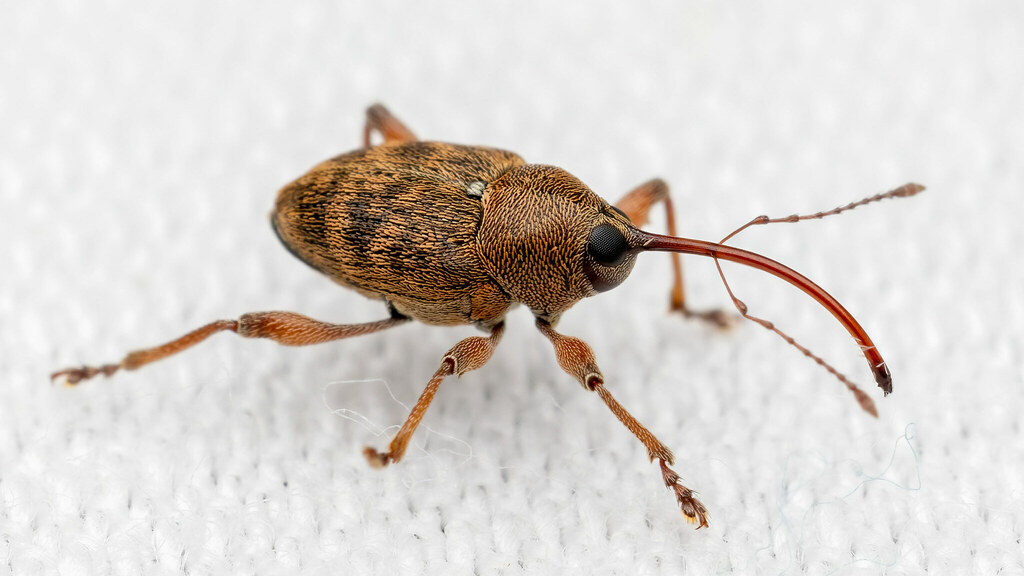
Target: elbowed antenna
x,y
657,242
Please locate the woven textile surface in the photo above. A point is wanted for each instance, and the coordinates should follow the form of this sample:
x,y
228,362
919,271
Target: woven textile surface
x,y
141,147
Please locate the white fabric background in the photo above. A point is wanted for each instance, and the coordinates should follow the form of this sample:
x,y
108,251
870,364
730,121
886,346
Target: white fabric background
x,y
141,145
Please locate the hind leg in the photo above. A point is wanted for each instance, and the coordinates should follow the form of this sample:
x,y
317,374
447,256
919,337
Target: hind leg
x,y
286,328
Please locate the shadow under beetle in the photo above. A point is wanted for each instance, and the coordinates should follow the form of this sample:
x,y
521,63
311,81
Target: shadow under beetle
x,y
448,234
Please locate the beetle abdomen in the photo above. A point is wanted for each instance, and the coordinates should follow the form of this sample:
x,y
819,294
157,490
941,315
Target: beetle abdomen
x,y
399,222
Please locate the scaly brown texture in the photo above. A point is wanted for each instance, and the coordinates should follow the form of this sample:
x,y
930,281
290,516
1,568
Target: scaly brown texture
x,y
399,222
533,239
449,234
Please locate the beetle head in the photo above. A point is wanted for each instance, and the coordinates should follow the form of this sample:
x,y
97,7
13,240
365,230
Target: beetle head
x,y
549,241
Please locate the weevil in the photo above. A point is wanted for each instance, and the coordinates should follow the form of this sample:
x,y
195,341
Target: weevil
x,y
449,235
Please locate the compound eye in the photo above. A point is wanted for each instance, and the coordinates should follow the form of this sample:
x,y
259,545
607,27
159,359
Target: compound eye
x,y
607,245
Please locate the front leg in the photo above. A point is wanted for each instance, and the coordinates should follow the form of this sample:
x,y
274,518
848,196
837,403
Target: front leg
x,y
636,205
577,359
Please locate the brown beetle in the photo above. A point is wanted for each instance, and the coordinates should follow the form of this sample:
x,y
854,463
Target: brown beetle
x,y
449,234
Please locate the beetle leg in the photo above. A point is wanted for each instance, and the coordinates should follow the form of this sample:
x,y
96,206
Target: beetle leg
x,y
390,128
637,206
467,355
577,359
287,328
